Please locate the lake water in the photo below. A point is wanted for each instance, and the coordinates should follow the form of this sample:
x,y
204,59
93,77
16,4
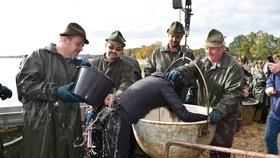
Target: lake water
x,y
9,67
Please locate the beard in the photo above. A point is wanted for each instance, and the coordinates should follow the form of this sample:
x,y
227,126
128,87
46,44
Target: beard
x,y
174,44
113,55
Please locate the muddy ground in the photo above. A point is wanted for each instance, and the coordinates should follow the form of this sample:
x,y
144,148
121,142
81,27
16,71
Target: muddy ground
x,y
249,138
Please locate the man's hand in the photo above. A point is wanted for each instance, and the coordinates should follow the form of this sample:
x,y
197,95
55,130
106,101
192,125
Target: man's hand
x,y
215,116
80,61
270,91
246,91
274,68
109,100
173,75
66,96
189,99
5,92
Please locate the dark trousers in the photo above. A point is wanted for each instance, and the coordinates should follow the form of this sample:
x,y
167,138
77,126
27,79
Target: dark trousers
x,y
271,134
132,145
117,135
215,154
224,135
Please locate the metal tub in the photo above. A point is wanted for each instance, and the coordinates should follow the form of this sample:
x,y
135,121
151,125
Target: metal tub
x,y
160,126
248,111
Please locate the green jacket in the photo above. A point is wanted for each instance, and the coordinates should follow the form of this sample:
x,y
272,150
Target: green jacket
x,y
224,82
119,71
225,90
162,58
51,128
259,82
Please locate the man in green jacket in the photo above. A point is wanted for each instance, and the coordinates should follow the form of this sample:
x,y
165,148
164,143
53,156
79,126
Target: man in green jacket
x,y
118,69
52,118
168,57
224,78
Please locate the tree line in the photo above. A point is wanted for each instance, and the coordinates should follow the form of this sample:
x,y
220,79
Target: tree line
x,y
256,46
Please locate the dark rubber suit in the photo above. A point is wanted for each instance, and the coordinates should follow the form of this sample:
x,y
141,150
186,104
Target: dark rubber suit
x,y
134,103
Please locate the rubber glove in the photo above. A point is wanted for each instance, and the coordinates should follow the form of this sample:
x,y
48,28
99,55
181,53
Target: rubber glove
x,y
189,99
65,95
215,116
5,92
80,61
174,75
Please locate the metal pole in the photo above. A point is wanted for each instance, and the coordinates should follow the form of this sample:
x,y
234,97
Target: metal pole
x,y
188,14
216,148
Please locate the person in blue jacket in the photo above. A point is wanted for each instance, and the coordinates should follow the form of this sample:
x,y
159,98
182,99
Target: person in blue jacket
x,y
273,120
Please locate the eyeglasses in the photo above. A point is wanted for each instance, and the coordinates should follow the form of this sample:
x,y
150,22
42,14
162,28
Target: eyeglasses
x,y
116,48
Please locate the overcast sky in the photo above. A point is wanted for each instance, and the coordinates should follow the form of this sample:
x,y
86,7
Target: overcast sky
x,y
27,25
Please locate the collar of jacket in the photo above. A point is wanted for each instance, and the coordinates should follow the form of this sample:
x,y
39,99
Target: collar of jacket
x,y
109,62
51,48
222,63
159,74
166,49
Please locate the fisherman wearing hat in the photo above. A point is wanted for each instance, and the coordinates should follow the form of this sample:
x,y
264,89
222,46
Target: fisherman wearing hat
x,y
119,70
52,125
224,78
168,57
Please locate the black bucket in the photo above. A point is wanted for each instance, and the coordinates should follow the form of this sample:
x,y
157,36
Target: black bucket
x,y
92,86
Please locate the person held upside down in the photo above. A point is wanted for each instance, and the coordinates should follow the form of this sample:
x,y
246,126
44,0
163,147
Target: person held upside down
x,y
134,103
